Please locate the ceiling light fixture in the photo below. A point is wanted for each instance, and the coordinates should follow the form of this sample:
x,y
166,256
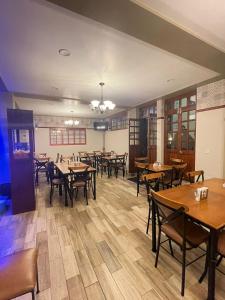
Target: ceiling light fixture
x,y
64,52
102,106
71,122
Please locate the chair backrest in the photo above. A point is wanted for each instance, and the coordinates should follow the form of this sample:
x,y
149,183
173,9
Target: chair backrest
x,y
165,207
139,165
152,181
80,175
178,172
51,170
193,174
42,154
177,161
144,159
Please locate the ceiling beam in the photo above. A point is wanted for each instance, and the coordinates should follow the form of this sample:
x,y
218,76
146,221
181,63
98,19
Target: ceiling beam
x,y
57,99
134,20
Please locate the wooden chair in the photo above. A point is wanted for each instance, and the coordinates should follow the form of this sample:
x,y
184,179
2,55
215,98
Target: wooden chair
x,y
174,177
79,180
152,182
55,181
193,174
140,170
120,164
176,161
40,167
177,227
102,165
144,159
18,274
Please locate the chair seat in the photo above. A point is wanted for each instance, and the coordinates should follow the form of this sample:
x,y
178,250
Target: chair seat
x,y
18,274
78,183
57,181
195,234
221,243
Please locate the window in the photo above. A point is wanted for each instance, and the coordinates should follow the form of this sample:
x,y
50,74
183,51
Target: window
x,y
67,136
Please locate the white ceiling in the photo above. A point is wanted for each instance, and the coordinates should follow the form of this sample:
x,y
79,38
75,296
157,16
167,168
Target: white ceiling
x,y
64,107
202,18
32,32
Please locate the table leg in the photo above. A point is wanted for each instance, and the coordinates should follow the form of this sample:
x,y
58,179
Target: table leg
x,y
66,192
212,263
94,191
153,227
109,169
138,181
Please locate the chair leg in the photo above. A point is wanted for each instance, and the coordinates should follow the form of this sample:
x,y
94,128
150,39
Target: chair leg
x,y
183,271
149,217
33,295
86,194
158,246
206,265
38,290
171,248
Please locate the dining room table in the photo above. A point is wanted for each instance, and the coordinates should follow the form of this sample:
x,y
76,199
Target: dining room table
x,y
209,212
65,169
150,168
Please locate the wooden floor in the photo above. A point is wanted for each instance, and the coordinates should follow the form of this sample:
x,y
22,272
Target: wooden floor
x,y
99,251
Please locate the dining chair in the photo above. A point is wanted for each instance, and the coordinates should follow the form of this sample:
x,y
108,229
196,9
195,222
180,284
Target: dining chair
x,y
178,228
102,165
220,253
140,170
152,182
193,174
18,274
120,163
175,177
79,180
55,181
40,167
177,161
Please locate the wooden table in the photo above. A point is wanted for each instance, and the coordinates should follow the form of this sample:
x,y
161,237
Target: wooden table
x,y
151,168
65,171
210,212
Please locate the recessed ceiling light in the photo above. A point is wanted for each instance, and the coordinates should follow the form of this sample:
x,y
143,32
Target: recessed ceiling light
x,y
64,52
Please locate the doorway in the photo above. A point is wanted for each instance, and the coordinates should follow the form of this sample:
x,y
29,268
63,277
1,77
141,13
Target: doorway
x,y
180,129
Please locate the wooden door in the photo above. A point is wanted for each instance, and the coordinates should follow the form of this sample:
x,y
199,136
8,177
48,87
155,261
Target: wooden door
x,y
180,127
137,140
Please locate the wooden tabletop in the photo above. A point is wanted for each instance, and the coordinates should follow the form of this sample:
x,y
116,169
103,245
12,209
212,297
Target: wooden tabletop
x,y
65,168
210,211
154,168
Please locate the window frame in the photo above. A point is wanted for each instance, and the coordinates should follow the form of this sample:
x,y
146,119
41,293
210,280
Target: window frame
x,y
67,130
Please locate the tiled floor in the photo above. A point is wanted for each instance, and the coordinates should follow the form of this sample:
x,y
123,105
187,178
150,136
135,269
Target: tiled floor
x,y
101,250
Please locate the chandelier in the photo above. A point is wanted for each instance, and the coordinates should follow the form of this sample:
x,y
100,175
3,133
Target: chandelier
x,y
71,122
102,106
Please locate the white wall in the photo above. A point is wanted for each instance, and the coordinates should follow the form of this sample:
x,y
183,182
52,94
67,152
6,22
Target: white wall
x,y
210,141
117,140
94,141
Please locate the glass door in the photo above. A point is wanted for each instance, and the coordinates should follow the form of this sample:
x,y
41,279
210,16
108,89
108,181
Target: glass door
x,y
180,127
